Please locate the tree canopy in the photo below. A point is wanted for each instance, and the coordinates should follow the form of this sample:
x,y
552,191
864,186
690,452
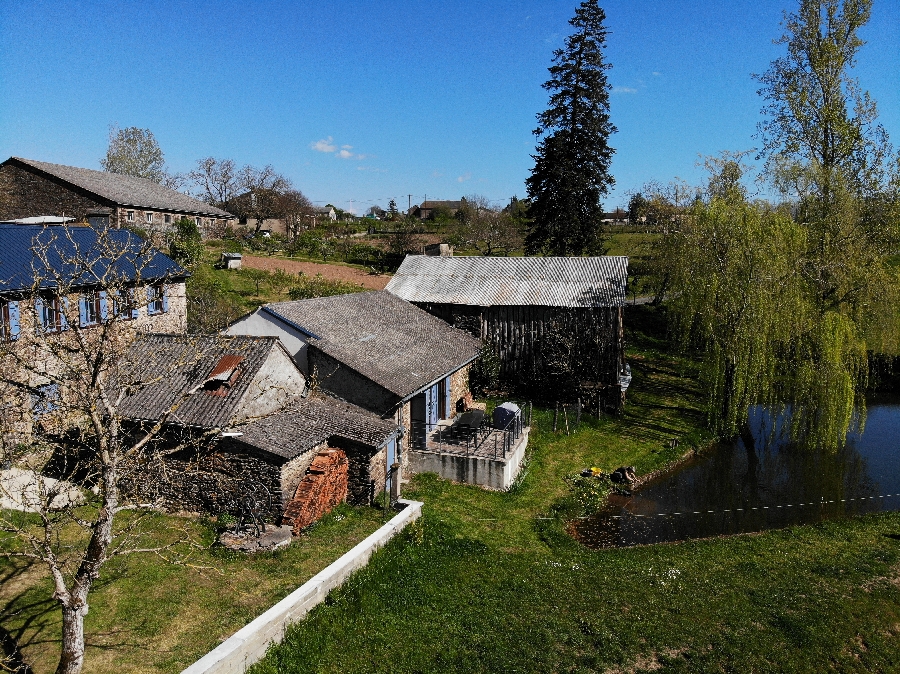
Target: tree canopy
x,y
572,160
134,152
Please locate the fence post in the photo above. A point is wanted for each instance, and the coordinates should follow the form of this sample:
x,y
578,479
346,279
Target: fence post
x,y
578,414
555,415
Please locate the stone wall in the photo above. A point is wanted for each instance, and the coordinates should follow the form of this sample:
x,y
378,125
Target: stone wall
x,y
293,471
209,480
323,487
24,194
17,417
347,384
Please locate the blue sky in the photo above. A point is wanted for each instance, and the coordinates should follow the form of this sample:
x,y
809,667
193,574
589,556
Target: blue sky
x,y
361,102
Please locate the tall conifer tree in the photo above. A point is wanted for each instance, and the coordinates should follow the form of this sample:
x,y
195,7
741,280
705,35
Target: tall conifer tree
x,y
571,170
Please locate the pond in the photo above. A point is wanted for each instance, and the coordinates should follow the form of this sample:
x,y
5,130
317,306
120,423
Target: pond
x,y
771,484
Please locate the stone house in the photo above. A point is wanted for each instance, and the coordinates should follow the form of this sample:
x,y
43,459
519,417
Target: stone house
x,y
34,188
59,284
238,422
376,351
548,319
424,210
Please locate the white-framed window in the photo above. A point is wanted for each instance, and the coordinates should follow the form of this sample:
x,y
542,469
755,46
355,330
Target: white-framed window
x,y
129,216
149,217
167,219
156,299
198,221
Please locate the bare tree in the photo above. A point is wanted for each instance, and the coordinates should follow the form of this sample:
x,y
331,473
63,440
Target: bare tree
x,y
217,180
487,228
295,211
64,373
264,188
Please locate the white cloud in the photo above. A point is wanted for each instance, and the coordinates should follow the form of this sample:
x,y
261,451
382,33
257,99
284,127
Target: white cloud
x,y
464,177
624,90
371,168
346,147
346,154
324,145
656,74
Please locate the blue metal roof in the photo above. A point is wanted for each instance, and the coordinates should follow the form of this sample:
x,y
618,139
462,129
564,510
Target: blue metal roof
x,y
47,257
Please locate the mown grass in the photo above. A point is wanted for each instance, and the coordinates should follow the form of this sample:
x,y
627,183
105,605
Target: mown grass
x,y
151,613
491,582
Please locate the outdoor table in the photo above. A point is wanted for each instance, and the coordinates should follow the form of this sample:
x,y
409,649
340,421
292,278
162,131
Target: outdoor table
x,y
468,423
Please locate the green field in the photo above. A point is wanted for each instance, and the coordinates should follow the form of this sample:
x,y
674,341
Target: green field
x,y
491,582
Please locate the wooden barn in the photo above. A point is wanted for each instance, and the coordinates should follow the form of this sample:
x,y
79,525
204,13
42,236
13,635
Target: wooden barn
x,y
554,323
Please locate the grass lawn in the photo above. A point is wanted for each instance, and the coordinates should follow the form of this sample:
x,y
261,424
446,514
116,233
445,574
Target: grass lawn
x,y
490,582
149,615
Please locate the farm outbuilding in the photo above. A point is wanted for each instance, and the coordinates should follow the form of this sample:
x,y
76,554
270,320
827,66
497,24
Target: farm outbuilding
x,y
554,323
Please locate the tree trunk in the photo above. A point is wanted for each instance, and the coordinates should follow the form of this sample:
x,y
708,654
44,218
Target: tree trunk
x,y
71,659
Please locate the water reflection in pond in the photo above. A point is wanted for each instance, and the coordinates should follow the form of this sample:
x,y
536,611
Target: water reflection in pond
x,y
759,483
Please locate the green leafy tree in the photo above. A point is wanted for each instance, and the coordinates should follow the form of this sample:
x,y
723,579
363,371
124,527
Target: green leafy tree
x,y
186,246
821,127
134,152
572,161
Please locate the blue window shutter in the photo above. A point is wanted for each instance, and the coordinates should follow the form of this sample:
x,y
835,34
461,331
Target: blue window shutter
x,y
104,307
14,320
165,298
132,296
39,323
63,308
83,310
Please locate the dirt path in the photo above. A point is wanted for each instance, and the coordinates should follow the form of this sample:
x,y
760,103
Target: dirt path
x,y
333,272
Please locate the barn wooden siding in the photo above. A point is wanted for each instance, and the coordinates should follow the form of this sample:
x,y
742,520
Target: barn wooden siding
x,y
525,337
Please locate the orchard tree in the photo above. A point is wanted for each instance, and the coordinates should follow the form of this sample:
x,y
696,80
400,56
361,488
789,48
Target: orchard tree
x,y
571,171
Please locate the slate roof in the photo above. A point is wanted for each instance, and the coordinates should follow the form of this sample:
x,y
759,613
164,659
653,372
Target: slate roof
x,y
125,190
160,370
512,281
81,256
385,339
304,423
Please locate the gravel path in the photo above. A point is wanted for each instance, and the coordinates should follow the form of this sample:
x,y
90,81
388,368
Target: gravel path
x,y
333,272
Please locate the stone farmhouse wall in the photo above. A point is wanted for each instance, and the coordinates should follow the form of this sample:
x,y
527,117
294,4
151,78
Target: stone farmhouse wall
x,y
25,193
18,418
209,479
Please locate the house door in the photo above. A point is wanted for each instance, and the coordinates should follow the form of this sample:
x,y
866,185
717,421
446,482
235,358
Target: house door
x,y
418,417
432,402
391,459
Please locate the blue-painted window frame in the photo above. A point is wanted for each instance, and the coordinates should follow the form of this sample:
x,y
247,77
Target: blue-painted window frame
x,y
157,299
50,312
92,308
10,324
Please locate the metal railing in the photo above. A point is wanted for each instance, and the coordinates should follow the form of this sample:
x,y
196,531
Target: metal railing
x,y
485,439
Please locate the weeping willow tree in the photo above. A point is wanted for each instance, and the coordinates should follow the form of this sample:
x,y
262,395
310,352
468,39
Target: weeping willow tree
x,y
736,294
788,304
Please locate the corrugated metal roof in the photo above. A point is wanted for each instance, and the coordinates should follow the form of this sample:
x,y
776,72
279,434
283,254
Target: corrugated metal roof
x,y
305,423
126,190
394,343
159,371
80,256
515,281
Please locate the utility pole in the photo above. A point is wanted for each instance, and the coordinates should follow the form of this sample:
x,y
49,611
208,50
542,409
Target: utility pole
x,y
408,203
